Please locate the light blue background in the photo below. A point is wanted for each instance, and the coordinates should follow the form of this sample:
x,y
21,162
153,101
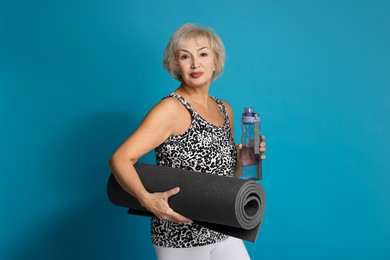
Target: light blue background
x,y
77,77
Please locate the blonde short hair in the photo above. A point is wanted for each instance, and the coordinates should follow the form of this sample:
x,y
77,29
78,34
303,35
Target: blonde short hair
x,y
192,31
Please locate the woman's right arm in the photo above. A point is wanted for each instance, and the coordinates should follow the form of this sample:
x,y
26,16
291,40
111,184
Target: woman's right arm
x,y
154,129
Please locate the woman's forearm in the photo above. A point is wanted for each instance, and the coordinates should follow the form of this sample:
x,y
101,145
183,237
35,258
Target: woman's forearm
x,y
127,176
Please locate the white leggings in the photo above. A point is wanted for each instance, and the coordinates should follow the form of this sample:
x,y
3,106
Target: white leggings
x,y
229,249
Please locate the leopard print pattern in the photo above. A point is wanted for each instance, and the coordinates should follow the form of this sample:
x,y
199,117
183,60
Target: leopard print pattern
x,y
204,148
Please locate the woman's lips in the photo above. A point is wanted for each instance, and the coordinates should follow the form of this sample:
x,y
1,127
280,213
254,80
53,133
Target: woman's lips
x,y
196,74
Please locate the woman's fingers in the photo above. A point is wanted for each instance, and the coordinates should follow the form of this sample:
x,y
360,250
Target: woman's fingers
x,y
178,218
171,192
166,212
262,147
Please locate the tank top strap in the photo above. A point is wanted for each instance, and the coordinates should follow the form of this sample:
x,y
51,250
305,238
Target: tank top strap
x,y
183,101
222,107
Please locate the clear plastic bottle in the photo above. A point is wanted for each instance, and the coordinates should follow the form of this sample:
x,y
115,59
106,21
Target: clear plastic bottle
x,y
250,140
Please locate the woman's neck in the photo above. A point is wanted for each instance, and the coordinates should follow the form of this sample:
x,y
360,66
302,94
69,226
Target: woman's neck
x,y
195,95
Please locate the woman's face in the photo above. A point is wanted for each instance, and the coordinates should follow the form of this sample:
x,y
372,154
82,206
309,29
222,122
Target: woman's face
x,y
196,62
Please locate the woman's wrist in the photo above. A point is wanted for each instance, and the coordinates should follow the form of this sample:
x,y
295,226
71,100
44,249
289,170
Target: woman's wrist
x,y
144,198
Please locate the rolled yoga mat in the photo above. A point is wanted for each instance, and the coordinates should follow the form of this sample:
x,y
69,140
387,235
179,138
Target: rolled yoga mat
x,y
228,205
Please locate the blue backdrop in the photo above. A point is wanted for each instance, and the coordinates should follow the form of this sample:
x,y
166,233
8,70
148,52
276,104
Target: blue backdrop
x,y
77,77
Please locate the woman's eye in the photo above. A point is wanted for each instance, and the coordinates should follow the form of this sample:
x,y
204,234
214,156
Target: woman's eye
x,y
184,57
203,54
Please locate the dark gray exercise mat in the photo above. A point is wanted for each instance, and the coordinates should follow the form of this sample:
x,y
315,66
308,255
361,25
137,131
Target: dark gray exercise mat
x,y
228,205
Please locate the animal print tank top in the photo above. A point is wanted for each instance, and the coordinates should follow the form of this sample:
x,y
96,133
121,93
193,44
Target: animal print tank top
x,y
204,148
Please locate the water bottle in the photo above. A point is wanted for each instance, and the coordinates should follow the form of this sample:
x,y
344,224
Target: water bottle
x,y
250,140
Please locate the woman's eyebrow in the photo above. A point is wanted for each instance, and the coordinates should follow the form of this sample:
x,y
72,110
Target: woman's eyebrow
x,y
205,47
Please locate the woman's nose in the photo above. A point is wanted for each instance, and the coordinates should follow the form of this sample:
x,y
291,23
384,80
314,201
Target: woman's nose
x,y
194,64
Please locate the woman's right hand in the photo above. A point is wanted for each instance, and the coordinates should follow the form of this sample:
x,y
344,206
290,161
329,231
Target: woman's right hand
x,y
157,203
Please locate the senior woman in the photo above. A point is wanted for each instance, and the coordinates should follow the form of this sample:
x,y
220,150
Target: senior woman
x,y
186,129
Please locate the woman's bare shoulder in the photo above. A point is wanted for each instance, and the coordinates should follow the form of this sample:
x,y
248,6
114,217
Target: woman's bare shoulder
x,y
169,110
171,113
169,106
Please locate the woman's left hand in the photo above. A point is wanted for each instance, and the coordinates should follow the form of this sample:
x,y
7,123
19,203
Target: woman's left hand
x,y
262,147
